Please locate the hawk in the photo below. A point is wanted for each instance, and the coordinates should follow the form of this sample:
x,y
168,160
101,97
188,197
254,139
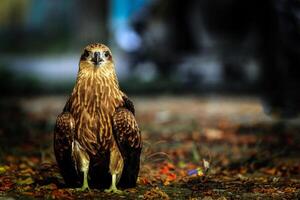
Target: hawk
x,y
97,141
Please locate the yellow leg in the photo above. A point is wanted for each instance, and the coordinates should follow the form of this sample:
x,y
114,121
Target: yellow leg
x,y
83,162
85,171
85,184
113,188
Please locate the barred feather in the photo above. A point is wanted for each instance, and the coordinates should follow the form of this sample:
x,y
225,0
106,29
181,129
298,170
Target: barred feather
x,y
100,120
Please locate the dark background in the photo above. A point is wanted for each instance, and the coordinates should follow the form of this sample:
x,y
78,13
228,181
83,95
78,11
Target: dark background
x,y
173,47
210,79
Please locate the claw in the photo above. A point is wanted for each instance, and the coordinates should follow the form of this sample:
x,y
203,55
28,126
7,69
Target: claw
x,y
114,190
85,185
83,188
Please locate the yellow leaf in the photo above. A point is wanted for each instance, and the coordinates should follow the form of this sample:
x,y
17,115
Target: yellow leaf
x,y
3,169
26,181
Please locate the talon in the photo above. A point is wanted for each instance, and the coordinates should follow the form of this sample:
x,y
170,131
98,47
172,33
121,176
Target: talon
x,y
85,185
83,188
114,190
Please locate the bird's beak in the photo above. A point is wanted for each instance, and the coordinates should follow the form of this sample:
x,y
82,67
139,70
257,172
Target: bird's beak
x,y
97,58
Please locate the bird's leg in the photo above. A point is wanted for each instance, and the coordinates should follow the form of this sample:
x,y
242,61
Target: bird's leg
x,y
115,168
85,184
82,162
84,169
113,188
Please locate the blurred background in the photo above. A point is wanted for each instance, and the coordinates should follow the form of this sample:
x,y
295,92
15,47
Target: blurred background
x,y
215,79
173,47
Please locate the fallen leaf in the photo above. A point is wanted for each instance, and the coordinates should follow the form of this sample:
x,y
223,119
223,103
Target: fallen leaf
x,y
6,183
271,171
3,169
155,193
171,177
26,181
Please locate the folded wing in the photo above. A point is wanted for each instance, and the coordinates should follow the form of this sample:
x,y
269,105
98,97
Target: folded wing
x,y
128,137
63,140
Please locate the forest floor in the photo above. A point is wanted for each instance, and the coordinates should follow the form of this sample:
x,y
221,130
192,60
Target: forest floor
x,y
194,148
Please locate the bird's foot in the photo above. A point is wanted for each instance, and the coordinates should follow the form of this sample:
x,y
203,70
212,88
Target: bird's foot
x,y
114,190
83,188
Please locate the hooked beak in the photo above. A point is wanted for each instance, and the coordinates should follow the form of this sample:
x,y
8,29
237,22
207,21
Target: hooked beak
x,y
97,58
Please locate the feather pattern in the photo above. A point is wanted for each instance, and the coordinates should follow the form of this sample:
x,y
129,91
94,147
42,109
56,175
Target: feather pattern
x,y
97,131
63,137
93,101
128,137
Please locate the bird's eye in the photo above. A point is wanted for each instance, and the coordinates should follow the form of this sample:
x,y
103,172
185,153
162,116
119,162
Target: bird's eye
x,y
85,55
106,54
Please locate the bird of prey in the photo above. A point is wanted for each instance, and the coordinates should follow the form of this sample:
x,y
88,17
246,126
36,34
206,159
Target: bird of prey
x,y
97,141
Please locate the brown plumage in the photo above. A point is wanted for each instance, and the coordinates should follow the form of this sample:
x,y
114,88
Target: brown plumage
x,y
97,141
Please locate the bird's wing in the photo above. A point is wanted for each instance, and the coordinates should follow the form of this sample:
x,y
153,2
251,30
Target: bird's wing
x,y
128,104
63,140
128,137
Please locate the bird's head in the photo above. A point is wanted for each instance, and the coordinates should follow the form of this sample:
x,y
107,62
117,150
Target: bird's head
x,y
96,57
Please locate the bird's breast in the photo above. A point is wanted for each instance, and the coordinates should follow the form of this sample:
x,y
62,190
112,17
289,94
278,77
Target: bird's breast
x,y
92,108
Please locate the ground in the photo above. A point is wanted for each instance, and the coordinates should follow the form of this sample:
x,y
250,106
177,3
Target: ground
x,y
194,148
